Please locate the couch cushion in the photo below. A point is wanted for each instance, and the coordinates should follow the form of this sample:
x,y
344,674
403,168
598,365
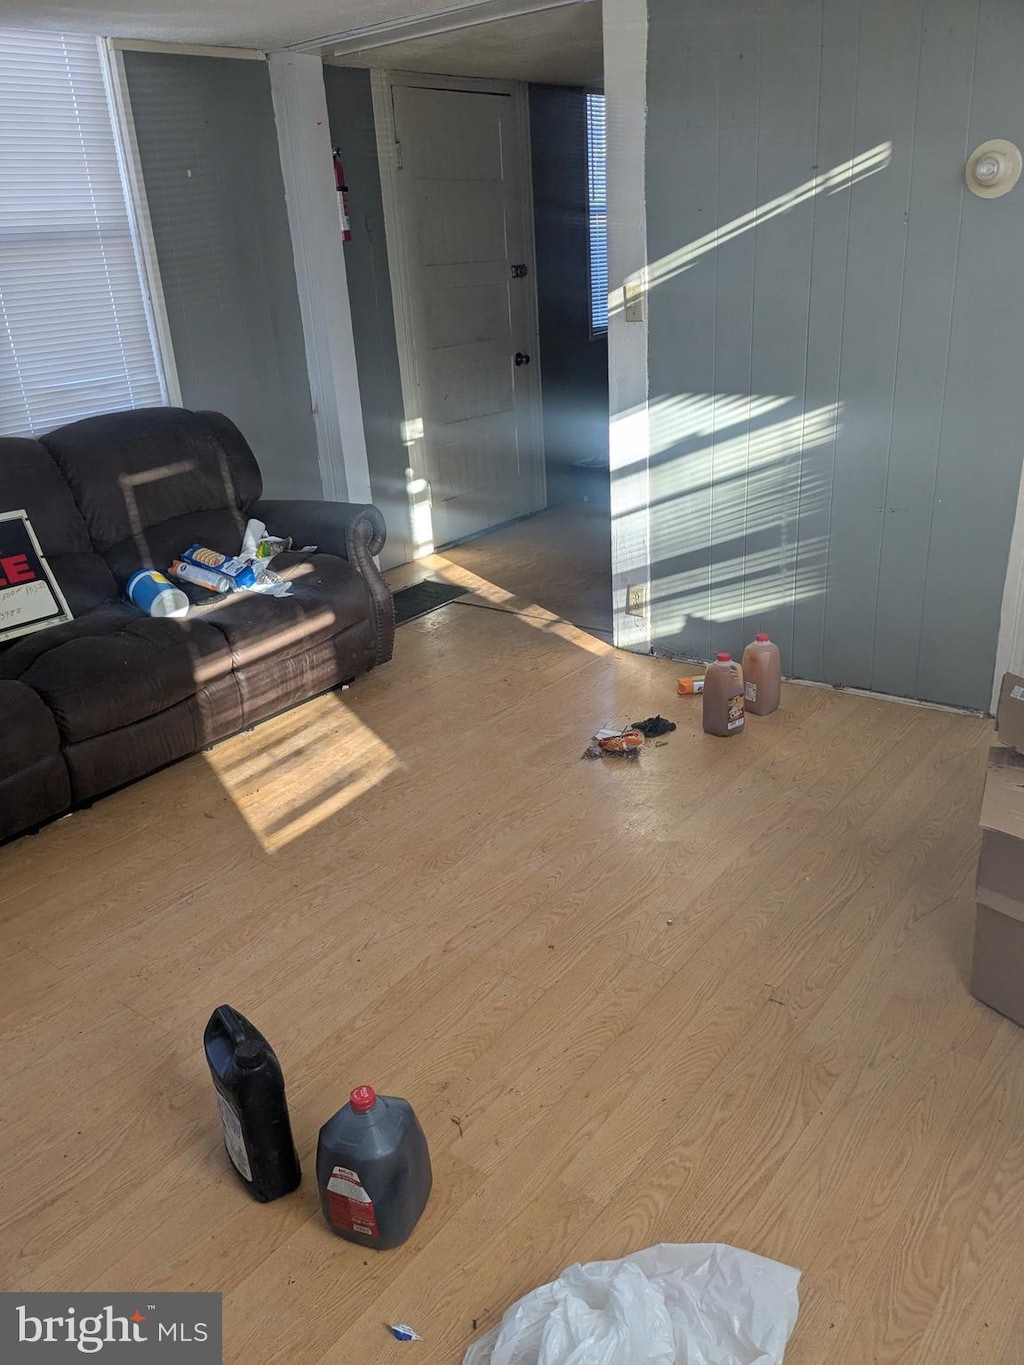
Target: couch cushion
x,y
327,596
277,682
33,775
29,479
115,666
131,470
107,761
157,546
110,760
34,794
27,730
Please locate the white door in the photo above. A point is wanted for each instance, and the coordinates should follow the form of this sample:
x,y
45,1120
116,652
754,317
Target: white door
x,y
470,306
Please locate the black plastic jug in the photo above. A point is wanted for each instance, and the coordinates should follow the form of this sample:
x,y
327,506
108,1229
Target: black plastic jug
x,y
373,1170
253,1109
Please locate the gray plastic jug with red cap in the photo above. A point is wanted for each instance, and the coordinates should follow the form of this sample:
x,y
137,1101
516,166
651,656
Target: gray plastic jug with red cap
x,y
373,1170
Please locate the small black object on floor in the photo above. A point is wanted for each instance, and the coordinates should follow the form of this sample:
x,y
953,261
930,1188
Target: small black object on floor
x,y
653,726
424,597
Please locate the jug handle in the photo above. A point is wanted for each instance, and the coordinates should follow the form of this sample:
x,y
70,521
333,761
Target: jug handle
x,y
235,1025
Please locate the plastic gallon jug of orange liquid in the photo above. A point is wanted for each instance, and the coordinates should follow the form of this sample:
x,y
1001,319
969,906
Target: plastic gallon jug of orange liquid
x,y
723,697
373,1170
762,676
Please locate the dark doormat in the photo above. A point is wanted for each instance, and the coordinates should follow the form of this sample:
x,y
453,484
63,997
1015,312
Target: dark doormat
x,y
424,597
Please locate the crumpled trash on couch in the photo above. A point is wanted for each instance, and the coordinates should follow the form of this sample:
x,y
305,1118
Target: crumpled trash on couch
x,y
673,1304
258,543
220,573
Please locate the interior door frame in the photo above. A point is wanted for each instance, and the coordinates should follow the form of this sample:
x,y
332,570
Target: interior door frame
x,y
381,84
1010,644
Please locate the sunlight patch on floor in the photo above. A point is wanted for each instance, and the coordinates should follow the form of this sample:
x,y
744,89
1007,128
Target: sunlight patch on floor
x,y
285,778
490,594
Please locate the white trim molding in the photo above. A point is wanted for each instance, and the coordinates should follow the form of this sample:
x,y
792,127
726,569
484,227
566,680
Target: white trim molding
x,y
119,102
300,110
398,265
440,21
245,54
1010,645
535,436
625,79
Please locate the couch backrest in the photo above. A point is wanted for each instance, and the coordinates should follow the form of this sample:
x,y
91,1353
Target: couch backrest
x,y
29,479
130,471
150,482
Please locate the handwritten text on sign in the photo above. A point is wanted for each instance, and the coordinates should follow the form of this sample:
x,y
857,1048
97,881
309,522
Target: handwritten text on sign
x,y
29,596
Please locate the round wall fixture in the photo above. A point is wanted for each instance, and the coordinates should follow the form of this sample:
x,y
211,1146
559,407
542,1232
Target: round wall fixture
x,y
993,168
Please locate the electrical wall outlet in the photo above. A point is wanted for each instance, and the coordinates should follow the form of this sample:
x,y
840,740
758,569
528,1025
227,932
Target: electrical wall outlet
x,y
636,599
634,310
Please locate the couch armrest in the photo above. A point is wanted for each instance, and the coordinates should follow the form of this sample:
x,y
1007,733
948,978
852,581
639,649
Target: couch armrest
x,y
353,531
328,525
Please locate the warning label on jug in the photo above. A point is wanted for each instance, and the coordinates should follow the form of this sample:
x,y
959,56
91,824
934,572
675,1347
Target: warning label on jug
x,y
735,721
349,1204
751,691
233,1139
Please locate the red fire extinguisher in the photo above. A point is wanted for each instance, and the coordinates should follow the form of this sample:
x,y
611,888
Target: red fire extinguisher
x,y
342,188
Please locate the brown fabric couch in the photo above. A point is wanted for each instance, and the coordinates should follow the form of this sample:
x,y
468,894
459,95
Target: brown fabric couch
x,y
115,694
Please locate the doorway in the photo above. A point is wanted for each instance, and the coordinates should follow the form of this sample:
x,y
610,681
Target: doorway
x,y
567,134
522,85
458,215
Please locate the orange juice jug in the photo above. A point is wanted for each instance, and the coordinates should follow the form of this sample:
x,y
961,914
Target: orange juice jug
x,y
723,697
762,676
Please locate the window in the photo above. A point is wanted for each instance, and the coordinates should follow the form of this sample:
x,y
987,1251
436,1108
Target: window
x,y
75,332
597,215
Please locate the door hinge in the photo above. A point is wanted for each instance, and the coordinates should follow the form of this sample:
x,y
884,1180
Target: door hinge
x,y
398,155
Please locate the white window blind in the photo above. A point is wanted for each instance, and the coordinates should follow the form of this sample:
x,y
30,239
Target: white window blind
x,y
597,214
75,335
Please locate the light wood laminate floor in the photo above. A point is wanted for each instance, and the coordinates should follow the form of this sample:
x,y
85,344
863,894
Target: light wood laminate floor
x,y
716,995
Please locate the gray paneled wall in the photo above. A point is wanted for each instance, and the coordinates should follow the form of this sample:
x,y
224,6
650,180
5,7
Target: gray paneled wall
x,y
836,333
208,144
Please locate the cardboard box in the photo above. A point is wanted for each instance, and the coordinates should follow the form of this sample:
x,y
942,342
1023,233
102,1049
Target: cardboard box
x,y
997,971
1010,711
1001,863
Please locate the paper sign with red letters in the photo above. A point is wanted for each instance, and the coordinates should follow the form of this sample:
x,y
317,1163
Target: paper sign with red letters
x,y
30,597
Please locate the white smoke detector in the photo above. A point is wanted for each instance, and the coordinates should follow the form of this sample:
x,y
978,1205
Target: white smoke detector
x,y
993,168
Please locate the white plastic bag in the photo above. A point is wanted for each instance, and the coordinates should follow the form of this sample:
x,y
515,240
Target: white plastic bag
x,y
700,1304
255,530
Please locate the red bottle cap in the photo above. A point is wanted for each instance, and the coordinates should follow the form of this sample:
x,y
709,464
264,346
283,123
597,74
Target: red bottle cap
x,y
362,1099
724,658
763,639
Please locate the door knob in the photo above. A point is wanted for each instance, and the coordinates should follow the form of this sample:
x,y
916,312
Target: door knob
x,y
522,359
